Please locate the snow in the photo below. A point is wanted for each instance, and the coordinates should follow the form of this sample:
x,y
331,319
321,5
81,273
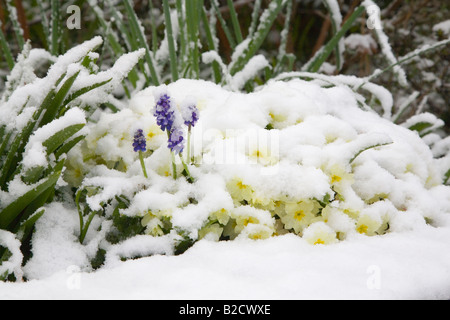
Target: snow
x,y
410,265
443,26
384,232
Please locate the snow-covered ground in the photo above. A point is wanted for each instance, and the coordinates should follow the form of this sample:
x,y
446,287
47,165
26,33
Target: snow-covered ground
x,y
410,265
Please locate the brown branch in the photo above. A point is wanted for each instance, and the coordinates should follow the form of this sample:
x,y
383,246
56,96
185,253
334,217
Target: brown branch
x,y
323,35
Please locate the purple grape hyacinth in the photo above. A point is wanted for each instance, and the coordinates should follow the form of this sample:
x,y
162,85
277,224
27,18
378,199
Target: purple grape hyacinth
x,y
190,115
139,142
164,113
176,141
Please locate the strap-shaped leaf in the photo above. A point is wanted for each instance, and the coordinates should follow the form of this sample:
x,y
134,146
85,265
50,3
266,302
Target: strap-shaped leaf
x,y
324,53
13,210
57,102
266,22
84,90
55,141
26,227
65,148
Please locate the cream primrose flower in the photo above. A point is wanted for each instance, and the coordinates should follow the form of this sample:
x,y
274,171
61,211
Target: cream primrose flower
x,y
299,215
319,233
246,216
155,137
154,222
222,216
239,191
338,220
257,232
211,232
340,178
153,225
373,221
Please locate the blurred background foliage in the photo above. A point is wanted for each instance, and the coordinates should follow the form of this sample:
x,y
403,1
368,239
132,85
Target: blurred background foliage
x,y
408,24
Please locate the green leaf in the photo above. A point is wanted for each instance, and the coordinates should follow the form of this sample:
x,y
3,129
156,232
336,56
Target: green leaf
x,y
13,210
33,175
65,148
367,148
57,102
170,41
137,32
447,177
26,227
84,90
270,14
55,141
420,126
6,50
326,51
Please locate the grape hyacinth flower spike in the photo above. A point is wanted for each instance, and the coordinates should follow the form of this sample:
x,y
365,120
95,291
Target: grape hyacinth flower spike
x,y
140,145
169,120
190,117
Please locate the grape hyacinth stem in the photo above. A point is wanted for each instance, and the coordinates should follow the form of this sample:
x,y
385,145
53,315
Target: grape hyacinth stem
x,y
141,158
188,153
174,166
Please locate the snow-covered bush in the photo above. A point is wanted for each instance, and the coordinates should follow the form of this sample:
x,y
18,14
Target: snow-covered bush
x,y
292,157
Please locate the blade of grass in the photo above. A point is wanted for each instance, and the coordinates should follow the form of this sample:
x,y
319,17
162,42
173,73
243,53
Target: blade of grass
x,y
225,28
323,54
336,21
170,41
6,50
138,32
16,25
255,15
183,40
235,22
267,19
211,46
55,30
193,14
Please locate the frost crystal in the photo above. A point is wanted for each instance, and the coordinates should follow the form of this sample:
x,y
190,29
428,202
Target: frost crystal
x,y
139,142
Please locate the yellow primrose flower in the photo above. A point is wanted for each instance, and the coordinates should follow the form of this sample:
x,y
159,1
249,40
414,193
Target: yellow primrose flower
x,y
299,215
319,233
340,178
368,224
222,216
211,232
153,225
244,221
262,155
258,232
153,134
239,190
